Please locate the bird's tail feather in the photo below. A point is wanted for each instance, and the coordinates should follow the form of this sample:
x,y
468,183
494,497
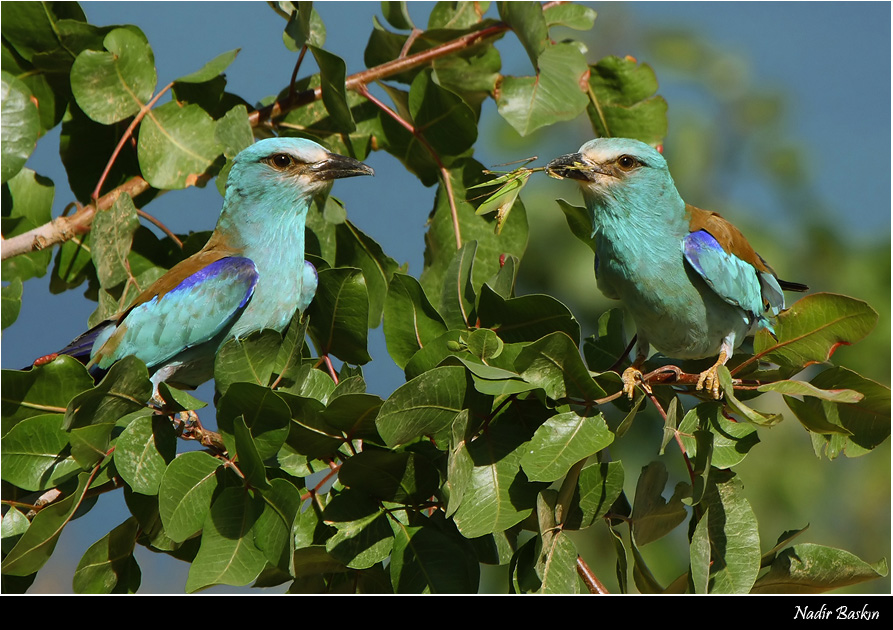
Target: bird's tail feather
x,y
792,286
81,347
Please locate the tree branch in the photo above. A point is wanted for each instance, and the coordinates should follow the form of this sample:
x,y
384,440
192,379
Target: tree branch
x,y
63,229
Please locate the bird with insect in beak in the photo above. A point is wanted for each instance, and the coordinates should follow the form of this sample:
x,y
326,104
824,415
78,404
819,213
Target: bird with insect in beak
x,y
693,284
251,275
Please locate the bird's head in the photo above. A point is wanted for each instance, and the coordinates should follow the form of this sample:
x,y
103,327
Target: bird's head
x,y
614,168
288,166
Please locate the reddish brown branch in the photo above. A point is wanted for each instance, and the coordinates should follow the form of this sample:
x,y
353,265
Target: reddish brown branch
x,y
444,172
592,582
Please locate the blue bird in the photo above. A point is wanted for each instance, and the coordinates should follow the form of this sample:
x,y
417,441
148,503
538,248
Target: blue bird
x,y
250,276
692,283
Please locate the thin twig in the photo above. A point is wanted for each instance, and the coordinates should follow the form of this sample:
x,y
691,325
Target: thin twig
x,y
592,582
444,173
161,226
128,133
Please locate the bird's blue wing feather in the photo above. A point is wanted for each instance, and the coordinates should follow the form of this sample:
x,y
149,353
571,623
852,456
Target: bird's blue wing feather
x,y
193,312
734,280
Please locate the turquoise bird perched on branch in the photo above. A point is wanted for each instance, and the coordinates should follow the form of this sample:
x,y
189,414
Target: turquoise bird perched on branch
x,y
692,283
251,275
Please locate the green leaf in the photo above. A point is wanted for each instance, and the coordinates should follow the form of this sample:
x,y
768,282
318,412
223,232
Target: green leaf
x,y
557,563
304,27
36,455
184,497
555,94
228,554
111,237
752,415
177,146
273,532
44,389
212,69
561,441
250,359
250,463
20,127
410,322
339,315
440,241
426,559
731,440
364,536
597,487
579,220
36,545
622,102
32,204
849,428
497,494
606,348
699,556
525,318
653,517
392,477
734,535
332,72
554,364
114,85
108,566
812,329
811,568
397,15
309,434
85,147
527,21
143,452
458,296
124,389
11,297
356,249
445,121
264,412
425,405
570,15
802,388
354,414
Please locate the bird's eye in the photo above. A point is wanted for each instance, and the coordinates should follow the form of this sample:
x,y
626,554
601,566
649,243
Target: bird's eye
x,y
281,160
627,163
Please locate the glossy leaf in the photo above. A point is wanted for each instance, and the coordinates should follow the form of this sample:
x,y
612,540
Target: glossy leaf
x,y
143,452
20,127
184,497
228,554
425,405
114,85
108,566
410,322
339,315
623,102
177,146
555,94
561,441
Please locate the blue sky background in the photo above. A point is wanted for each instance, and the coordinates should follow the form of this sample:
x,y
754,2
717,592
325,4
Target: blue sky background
x,y
831,58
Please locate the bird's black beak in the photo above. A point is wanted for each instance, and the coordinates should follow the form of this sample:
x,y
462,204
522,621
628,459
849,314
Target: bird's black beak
x,y
571,166
338,166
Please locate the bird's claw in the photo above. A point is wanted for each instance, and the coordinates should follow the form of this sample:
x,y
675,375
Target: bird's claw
x,y
631,377
709,381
